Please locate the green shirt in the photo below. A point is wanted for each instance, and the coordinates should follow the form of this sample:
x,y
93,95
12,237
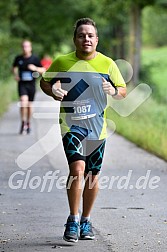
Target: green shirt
x,y
84,107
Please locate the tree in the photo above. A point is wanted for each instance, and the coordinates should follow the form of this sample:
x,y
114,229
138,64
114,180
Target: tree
x,y
135,40
129,14
6,41
135,11
154,35
50,23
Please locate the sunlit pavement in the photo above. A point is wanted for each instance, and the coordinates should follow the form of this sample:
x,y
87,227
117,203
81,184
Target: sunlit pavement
x,y
130,211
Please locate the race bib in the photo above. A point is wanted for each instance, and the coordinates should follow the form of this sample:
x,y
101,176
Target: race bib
x,y
26,76
83,109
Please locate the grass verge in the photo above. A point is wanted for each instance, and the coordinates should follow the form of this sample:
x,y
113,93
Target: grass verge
x,y
146,127
8,94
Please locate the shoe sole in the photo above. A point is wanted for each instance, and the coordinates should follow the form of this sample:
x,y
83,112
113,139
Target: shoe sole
x,y
87,238
23,133
70,240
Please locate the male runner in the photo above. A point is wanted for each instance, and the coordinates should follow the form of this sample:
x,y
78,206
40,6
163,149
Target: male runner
x,y
23,67
82,81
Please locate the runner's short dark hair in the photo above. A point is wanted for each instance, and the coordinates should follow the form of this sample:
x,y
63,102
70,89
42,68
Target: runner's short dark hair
x,y
84,21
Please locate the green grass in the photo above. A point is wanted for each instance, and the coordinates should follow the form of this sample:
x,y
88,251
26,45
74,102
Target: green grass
x,y
155,61
8,94
147,126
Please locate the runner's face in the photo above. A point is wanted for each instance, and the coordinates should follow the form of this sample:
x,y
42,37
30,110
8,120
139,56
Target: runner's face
x,y
86,40
27,48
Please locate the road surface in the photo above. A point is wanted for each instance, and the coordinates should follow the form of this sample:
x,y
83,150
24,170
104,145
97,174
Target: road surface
x,y
130,213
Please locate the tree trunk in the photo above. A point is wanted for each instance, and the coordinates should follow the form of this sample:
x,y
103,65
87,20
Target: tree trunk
x,y
135,41
119,44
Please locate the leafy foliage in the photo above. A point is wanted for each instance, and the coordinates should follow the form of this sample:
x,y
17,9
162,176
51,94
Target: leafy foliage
x,y
155,35
49,24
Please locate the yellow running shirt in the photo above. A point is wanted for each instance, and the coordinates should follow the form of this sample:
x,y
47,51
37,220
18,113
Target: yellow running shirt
x,y
83,109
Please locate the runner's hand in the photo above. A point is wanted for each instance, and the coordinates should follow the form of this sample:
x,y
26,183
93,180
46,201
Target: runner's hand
x,y
32,67
107,87
58,91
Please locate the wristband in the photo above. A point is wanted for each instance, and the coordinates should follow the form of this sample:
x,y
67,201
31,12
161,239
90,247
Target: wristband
x,y
116,92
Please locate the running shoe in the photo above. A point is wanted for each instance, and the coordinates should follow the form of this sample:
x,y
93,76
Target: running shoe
x,y
28,128
86,232
23,129
71,232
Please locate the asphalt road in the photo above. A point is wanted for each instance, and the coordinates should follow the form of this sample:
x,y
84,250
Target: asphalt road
x,y
130,213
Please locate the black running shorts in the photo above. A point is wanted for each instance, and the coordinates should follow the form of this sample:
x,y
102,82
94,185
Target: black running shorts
x,y
76,147
27,88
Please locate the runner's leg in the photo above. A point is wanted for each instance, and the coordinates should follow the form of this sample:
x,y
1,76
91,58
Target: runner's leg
x,y
89,193
24,107
31,95
23,112
74,185
95,152
73,147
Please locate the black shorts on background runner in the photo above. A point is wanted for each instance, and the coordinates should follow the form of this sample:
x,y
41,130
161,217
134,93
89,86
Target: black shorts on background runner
x,y
27,89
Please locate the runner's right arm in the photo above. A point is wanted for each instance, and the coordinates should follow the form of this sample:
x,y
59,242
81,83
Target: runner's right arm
x,y
15,72
54,90
46,87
